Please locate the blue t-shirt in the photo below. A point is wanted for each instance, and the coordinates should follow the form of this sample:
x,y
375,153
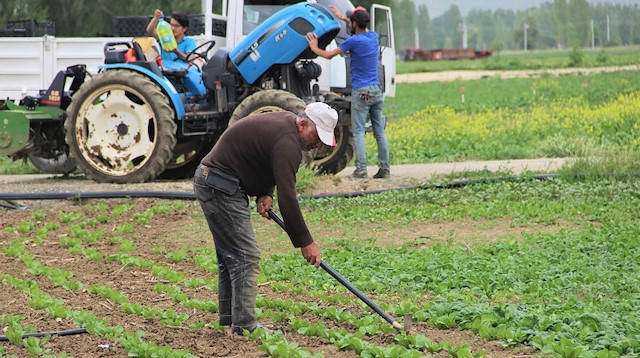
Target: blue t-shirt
x,y
363,50
185,46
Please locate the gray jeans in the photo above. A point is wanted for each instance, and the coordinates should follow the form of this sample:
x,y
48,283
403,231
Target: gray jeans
x,y
237,252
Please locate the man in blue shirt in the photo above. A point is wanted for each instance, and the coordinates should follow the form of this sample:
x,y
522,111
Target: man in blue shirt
x,y
179,26
366,93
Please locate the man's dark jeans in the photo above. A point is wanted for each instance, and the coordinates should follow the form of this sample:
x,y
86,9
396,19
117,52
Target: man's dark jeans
x,y
237,252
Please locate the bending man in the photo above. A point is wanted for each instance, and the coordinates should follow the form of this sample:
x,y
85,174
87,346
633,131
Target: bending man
x,y
251,158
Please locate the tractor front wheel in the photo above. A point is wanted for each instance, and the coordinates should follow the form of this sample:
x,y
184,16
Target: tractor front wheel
x,y
186,158
120,128
327,159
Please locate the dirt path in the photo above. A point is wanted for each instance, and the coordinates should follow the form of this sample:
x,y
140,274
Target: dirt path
x,y
447,76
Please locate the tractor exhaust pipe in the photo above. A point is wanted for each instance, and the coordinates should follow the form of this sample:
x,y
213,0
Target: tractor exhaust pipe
x,y
353,289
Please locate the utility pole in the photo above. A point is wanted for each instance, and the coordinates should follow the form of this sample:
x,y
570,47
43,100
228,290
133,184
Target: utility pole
x,y
526,26
464,34
608,32
462,27
592,40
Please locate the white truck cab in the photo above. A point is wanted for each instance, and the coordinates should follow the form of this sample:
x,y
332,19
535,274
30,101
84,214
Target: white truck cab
x,y
28,65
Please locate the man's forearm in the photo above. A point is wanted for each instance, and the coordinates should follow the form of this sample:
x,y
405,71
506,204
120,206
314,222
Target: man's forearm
x,y
151,28
322,53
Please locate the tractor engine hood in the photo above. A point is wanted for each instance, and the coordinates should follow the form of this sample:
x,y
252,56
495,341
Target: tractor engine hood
x,y
281,39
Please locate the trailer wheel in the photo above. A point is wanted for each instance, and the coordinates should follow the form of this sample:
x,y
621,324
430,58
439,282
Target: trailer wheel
x,y
186,159
327,159
61,164
120,128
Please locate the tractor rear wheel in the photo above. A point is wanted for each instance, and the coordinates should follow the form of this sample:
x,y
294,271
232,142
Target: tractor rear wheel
x,y
120,128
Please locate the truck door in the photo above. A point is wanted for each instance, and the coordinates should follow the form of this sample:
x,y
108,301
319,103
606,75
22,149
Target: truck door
x,y
382,24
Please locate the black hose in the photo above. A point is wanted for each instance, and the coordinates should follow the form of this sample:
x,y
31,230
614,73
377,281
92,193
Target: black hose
x,y
99,195
68,332
456,184
191,196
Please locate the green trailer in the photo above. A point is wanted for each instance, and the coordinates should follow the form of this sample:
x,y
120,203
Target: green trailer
x,y
33,128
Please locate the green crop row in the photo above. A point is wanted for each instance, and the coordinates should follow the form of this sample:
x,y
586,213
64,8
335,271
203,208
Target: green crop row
x,y
565,279
537,59
566,127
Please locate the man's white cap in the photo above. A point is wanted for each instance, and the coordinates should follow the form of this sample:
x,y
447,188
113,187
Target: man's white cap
x,y
325,119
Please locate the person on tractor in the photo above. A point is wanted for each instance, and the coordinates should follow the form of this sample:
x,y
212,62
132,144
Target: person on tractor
x,y
366,93
179,26
252,157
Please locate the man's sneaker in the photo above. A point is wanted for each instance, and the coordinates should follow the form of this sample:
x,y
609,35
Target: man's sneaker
x,y
383,174
359,174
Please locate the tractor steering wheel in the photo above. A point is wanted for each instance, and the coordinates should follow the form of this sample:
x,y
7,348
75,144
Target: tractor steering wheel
x,y
197,53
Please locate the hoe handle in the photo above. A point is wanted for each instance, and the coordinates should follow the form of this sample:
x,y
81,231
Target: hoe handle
x,y
346,283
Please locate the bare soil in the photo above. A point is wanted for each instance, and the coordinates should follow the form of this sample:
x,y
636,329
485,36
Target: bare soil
x,y
185,228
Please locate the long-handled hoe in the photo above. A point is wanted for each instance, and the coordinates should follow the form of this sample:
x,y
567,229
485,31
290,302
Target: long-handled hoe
x,y
353,289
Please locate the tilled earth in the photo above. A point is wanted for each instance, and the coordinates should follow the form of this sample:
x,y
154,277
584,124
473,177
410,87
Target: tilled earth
x,y
183,227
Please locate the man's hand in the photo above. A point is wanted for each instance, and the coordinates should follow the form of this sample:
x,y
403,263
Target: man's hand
x,y
157,14
311,253
265,203
336,12
312,39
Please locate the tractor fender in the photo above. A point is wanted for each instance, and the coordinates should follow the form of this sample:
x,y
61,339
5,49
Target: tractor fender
x,y
165,84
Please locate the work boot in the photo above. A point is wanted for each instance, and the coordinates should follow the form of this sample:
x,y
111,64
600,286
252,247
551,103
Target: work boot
x,y
359,174
383,174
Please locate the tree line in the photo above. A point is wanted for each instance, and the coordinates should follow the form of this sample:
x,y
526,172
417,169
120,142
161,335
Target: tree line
x,y
556,24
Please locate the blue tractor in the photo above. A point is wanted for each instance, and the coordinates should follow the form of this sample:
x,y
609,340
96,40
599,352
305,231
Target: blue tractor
x,y
135,120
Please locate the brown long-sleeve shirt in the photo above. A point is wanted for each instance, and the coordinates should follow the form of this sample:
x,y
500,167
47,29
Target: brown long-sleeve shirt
x,y
264,151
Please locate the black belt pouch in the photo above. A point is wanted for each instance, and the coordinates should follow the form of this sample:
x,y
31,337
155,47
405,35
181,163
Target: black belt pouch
x,y
222,181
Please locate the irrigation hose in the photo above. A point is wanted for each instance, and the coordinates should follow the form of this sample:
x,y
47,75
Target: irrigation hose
x,y
68,332
191,196
348,284
99,195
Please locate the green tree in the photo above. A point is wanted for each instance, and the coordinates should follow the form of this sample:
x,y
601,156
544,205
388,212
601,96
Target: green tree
x,y
560,19
404,31
545,18
580,20
83,19
447,28
13,10
505,24
425,30
628,27
486,31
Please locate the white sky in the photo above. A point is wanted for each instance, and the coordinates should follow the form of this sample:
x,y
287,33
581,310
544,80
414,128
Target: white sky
x,y
438,7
